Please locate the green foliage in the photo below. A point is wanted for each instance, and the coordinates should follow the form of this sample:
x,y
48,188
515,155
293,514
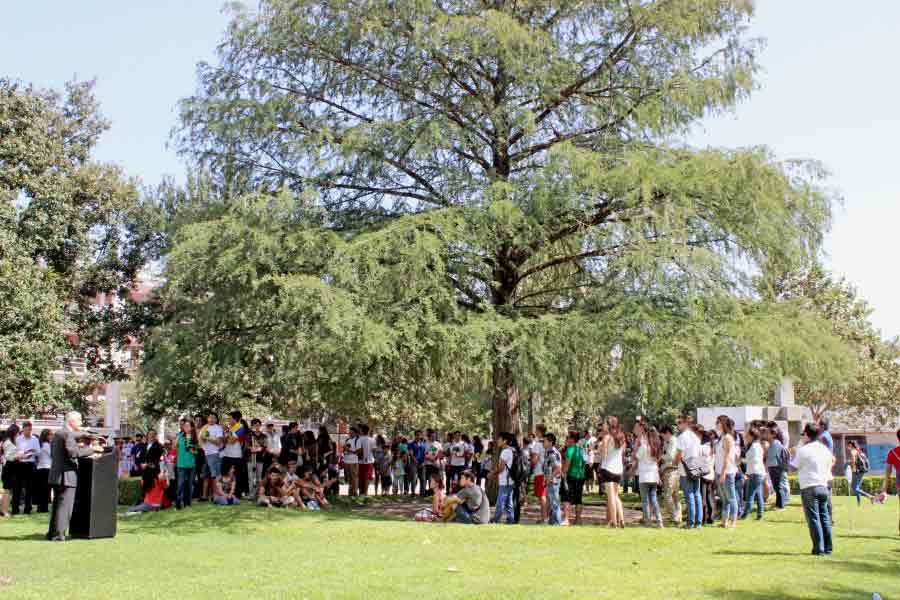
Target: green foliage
x,y
874,392
484,200
70,229
130,491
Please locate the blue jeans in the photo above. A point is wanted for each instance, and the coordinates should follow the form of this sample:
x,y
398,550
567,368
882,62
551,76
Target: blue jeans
x,y
504,505
185,487
818,518
728,495
753,491
648,501
856,486
739,490
775,475
553,504
691,489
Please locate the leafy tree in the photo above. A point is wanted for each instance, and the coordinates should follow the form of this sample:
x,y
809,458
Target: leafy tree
x,y
874,392
499,204
70,229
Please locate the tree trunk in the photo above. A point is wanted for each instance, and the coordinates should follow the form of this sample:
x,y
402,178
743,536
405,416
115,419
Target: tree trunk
x,y
505,415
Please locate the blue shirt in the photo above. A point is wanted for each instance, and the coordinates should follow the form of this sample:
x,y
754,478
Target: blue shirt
x,y
418,450
827,441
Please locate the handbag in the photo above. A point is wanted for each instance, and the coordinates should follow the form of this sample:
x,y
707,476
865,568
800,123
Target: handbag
x,y
695,467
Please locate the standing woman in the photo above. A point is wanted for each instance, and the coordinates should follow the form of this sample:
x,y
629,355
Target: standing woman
x,y
647,448
186,462
813,462
42,474
777,459
726,468
708,481
859,464
326,446
756,473
612,467
10,456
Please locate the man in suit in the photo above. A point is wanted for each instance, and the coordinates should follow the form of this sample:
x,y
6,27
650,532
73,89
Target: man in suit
x,y
63,477
154,452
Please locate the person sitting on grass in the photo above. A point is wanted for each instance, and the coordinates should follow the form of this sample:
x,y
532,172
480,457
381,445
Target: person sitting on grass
x,y
312,493
224,487
327,481
436,512
272,490
154,486
470,504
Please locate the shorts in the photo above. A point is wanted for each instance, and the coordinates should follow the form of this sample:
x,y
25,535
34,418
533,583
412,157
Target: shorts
x,y
539,490
607,477
574,490
212,468
367,471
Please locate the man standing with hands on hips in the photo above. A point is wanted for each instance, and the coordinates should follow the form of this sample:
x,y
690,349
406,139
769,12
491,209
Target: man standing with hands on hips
x,y
64,474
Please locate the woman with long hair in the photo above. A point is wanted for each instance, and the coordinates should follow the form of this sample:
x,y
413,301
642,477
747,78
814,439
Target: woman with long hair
x,y
647,448
756,473
186,461
612,468
41,490
325,446
859,465
10,456
727,456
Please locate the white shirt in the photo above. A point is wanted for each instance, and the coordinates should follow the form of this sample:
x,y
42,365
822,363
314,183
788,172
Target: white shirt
x,y
587,446
506,459
44,460
613,460
537,449
215,432
813,462
233,450
648,469
709,456
458,454
273,443
720,457
755,457
24,444
689,445
366,443
350,447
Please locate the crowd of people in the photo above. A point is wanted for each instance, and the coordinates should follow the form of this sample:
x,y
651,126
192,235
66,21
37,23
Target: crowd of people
x,y
685,476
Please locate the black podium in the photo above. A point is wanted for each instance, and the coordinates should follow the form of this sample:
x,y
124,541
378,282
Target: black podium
x,y
96,497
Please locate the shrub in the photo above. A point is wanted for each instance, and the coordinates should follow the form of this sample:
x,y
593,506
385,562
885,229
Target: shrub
x,y
130,491
870,484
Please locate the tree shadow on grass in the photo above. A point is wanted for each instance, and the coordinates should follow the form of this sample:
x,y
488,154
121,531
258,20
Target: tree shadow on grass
x,y
853,536
26,537
756,553
833,591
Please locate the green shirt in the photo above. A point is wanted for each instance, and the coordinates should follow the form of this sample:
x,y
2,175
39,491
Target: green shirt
x,y
185,457
576,462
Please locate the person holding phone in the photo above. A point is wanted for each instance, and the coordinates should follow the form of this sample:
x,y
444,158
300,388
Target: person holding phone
x,y
28,447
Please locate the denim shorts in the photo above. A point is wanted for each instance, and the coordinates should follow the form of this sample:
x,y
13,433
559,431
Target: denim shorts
x,y
213,466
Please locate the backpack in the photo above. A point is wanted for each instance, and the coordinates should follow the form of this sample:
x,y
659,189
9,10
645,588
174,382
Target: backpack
x,y
517,470
696,467
862,463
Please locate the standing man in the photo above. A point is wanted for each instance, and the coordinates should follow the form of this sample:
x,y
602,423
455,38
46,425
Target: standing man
x,y
552,471
366,459
669,475
63,477
687,448
457,464
152,454
417,453
536,456
433,453
813,462
273,447
892,462
138,451
351,462
28,447
504,479
212,436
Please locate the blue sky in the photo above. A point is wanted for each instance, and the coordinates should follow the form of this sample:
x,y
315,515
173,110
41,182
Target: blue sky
x,y
829,91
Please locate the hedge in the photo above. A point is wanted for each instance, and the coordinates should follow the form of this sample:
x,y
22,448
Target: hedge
x,y
130,491
871,484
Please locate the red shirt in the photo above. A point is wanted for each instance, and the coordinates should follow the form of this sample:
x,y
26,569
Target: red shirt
x,y
155,496
893,459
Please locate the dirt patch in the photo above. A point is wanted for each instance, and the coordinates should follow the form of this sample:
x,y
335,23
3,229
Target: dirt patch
x,y
592,514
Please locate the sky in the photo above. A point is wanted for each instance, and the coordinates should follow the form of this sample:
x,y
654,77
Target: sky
x,y
828,91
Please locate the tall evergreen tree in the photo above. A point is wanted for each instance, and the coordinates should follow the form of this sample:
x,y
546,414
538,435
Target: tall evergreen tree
x,y
519,159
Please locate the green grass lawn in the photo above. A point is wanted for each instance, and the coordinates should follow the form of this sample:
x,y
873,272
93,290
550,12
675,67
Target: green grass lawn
x,y
210,552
